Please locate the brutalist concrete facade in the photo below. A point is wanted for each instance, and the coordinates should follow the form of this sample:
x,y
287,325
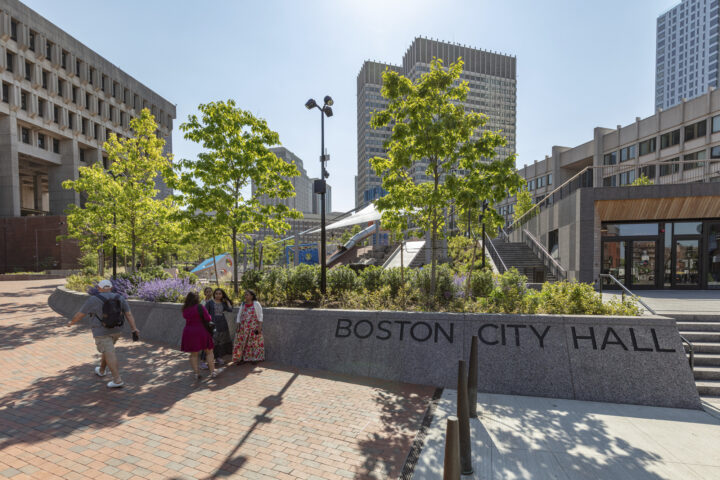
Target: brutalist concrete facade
x,y
493,91
60,102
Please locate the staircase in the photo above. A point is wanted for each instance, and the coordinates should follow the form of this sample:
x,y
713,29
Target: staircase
x,y
521,257
704,333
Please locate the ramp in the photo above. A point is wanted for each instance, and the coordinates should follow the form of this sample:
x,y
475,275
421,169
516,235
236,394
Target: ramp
x,y
409,253
350,245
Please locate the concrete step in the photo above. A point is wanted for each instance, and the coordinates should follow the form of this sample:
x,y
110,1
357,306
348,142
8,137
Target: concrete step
x,y
706,373
706,347
701,336
698,327
707,360
708,387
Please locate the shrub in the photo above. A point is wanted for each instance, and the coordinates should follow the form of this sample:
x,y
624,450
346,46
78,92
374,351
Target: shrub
x,y
81,282
273,285
341,279
509,294
619,307
444,283
303,282
89,263
154,272
570,298
189,275
166,290
371,278
251,279
481,283
392,278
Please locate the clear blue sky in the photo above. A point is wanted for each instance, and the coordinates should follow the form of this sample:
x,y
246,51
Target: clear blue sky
x,y
580,64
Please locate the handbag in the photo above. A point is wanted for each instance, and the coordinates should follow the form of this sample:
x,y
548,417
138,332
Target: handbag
x,y
209,326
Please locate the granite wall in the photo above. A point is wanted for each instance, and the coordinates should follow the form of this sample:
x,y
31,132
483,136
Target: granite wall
x,y
638,360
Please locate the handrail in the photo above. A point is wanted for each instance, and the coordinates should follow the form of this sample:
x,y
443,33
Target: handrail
x,y
496,253
690,345
560,271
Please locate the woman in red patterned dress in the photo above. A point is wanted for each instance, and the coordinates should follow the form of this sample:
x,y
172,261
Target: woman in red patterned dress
x,y
249,340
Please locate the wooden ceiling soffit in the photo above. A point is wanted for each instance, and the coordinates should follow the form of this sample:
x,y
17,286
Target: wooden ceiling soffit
x,y
658,208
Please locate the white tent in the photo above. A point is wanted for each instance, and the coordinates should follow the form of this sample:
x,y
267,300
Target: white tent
x,y
365,215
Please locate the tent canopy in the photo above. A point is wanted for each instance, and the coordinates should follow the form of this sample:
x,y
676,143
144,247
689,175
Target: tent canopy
x,y
209,262
365,215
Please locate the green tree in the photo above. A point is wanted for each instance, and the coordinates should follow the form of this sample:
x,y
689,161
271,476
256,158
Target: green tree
x,y
126,191
524,204
641,180
431,130
236,152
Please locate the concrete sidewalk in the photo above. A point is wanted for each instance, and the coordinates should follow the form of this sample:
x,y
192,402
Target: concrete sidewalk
x,y
537,438
676,302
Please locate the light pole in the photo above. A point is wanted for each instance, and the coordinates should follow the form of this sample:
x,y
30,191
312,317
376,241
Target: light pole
x,y
482,220
320,185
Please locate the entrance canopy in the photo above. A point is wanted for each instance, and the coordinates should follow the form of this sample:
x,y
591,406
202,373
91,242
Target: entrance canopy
x,y
365,215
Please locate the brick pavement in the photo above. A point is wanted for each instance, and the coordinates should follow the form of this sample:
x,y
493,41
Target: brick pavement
x,y
58,420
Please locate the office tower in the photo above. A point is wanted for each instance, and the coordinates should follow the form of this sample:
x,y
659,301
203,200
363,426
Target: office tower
x,y
686,58
493,91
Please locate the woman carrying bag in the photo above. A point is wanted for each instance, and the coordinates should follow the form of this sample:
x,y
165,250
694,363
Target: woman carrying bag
x,y
249,340
195,336
216,307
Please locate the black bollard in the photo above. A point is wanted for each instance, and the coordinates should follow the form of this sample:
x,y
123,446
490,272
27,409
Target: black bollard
x,y
451,466
464,421
473,378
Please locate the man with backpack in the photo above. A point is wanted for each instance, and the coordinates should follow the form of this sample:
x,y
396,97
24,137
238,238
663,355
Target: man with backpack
x,y
107,312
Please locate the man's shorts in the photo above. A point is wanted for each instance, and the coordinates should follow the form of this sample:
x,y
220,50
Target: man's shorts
x,y
106,343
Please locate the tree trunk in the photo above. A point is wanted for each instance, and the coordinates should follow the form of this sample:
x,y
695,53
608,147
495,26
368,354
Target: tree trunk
x,y
217,278
132,251
235,262
472,265
402,268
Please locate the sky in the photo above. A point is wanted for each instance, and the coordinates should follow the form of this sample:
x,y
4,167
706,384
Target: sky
x,y
580,64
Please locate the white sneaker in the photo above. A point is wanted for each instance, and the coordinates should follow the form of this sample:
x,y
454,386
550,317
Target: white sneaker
x,y
216,372
99,372
113,384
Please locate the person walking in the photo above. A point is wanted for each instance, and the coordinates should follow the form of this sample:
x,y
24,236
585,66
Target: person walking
x,y
107,312
217,306
195,336
250,343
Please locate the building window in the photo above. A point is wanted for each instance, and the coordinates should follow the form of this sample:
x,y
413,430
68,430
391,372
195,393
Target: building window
x,y
716,124
610,181
77,67
32,41
48,50
13,29
540,182
5,92
694,156
531,185
91,76
23,100
627,153
96,132
553,244
63,60
82,155
10,62
61,88
41,141
28,71
25,134
84,126
695,130
647,171
70,120
610,158
648,146
626,178
669,139
75,95
56,145
671,166
44,79
715,152
56,114
549,179
41,108
114,90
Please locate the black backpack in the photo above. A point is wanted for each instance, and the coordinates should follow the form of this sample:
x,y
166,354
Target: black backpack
x,y
112,314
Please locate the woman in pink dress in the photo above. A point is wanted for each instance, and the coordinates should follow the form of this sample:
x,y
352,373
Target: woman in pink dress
x,y
249,340
195,337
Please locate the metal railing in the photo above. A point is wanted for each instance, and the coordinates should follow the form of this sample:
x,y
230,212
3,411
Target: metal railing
x,y
504,267
546,258
691,347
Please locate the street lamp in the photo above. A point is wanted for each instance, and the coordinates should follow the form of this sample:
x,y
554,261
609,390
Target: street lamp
x,y
482,221
320,186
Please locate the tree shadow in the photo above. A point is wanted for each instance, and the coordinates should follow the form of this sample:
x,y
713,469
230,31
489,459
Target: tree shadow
x,y
17,334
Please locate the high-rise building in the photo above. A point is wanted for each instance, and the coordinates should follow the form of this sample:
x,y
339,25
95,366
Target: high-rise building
x,y
59,102
302,201
493,91
686,57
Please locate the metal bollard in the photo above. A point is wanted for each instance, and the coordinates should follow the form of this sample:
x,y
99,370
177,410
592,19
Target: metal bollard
x,y
464,421
451,466
472,378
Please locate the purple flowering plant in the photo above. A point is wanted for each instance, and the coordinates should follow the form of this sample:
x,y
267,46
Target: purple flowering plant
x,y
166,290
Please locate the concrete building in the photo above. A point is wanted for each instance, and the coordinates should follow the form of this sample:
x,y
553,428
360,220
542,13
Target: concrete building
x,y
60,102
591,219
686,58
493,91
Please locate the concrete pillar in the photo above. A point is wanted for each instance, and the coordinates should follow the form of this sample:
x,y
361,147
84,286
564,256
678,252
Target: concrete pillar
x,y
9,168
61,198
37,192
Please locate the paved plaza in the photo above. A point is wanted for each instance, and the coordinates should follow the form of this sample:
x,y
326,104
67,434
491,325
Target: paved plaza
x,y
676,302
58,420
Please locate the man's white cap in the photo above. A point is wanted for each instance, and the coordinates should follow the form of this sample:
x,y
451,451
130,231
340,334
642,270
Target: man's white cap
x,y
105,284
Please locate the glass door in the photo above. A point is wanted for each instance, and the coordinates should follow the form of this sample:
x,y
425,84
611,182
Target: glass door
x,y
613,262
713,255
686,264
643,266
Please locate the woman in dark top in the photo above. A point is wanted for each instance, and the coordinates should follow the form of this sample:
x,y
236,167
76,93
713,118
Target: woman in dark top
x,y
217,307
195,336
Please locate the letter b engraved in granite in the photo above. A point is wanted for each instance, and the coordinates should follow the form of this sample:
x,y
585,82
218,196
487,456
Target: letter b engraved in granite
x,y
590,337
343,324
